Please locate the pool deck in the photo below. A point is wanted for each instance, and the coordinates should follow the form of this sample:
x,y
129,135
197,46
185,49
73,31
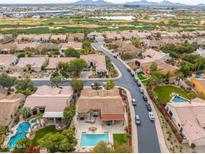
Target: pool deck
x,y
83,127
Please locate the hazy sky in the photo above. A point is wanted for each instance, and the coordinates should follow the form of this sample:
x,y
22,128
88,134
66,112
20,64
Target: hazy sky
x,y
115,1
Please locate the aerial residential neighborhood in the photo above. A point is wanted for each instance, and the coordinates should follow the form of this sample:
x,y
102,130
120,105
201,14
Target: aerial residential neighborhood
x,y
96,76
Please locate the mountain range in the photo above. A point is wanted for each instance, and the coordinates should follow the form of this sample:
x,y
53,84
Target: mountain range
x,y
142,3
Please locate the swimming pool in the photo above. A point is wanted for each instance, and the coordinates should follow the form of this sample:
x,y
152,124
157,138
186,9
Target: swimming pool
x,y
21,132
93,139
178,99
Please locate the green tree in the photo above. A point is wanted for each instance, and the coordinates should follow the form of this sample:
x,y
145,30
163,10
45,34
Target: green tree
x,y
59,142
124,148
25,86
76,66
102,147
136,42
186,70
21,145
110,85
153,67
55,79
26,112
87,45
68,114
7,81
77,85
72,53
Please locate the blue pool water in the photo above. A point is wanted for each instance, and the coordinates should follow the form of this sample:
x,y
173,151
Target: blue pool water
x,y
93,139
198,76
21,132
178,99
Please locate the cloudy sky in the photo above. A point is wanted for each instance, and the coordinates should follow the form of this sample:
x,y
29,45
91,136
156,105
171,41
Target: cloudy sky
x,y
115,1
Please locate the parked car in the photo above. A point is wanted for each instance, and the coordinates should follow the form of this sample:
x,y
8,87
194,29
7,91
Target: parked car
x,y
134,102
128,70
145,98
137,119
149,108
141,90
115,55
139,84
132,73
151,116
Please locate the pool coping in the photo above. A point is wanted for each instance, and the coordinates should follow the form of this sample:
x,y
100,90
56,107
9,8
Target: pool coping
x,y
14,129
109,139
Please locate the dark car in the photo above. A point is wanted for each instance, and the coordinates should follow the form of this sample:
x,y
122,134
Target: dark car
x,y
139,84
145,98
149,108
128,70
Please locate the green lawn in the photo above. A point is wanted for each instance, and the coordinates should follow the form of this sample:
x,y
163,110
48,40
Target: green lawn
x,y
141,77
42,132
120,139
164,93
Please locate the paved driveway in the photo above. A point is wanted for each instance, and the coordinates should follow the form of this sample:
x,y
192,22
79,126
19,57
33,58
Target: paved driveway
x,y
147,135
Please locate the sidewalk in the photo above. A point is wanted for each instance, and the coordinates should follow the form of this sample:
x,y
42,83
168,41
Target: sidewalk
x,y
134,127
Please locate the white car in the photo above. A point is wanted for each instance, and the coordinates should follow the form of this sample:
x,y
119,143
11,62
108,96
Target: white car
x,y
134,102
141,90
151,116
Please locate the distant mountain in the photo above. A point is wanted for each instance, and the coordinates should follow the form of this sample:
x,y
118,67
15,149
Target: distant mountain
x,y
147,3
91,2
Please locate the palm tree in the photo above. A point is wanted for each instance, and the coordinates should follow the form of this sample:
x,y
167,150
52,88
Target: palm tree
x,y
39,117
26,112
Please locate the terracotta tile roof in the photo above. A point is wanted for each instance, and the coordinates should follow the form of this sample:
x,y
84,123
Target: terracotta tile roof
x,y
53,99
75,45
192,117
8,106
54,61
35,62
7,60
99,61
108,102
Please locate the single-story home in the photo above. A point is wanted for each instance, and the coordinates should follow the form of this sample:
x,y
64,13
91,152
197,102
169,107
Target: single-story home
x,y
50,101
59,38
189,119
7,61
48,47
106,104
161,66
128,48
94,60
97,61
9,105
26,46
54,61
4,38
35,63
7,48
78,37
33,38
74,45
151,55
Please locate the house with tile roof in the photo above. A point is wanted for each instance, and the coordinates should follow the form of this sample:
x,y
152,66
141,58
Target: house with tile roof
x,y
189,119
50,101
106,104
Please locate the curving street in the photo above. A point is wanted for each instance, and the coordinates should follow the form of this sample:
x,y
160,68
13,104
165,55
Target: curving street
x,y
147,134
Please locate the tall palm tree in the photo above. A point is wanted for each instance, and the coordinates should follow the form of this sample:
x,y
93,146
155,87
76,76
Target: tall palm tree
x,y
26,112
39,117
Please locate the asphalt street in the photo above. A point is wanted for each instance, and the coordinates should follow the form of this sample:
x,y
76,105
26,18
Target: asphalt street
x,y
147,136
